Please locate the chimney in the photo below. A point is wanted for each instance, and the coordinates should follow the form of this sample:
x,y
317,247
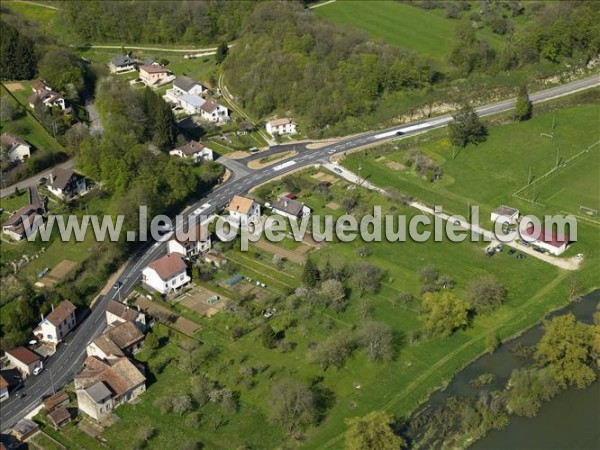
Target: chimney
x,y
42,317
285,204
52,306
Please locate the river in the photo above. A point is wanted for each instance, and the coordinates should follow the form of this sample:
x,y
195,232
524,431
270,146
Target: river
x,y
571,420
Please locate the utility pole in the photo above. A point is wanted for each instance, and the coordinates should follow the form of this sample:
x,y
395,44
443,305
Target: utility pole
x,y
557,156
529,176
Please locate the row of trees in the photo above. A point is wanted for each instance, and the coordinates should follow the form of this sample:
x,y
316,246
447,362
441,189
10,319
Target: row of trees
x,y
18,55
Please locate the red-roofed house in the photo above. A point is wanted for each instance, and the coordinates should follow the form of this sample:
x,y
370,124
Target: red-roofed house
x,y
57,324
166,274
548,240
154,75
25,361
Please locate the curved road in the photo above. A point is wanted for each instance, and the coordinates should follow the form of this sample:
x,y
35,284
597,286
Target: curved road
x,y
67,361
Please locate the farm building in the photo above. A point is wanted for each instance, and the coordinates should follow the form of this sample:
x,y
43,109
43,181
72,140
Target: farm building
x,y
547,240
505,214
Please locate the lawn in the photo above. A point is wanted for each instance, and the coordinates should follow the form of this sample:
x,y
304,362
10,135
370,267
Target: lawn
x,y
46,18
401,25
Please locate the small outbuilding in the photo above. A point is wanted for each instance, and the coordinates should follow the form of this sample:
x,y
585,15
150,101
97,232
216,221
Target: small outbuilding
x,y
505,215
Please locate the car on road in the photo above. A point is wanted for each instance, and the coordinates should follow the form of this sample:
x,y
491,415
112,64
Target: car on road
x,y
399,133
331,152
337,170
38,370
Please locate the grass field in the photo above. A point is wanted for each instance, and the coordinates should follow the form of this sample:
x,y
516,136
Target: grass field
x,y
46,18
401,25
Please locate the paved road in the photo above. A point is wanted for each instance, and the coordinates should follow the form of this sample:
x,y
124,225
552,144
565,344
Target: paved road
x,y
94,117
67,361
33,180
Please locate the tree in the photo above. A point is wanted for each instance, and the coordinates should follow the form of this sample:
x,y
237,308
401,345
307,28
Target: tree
x,y
527,390
366,277
491,343
151,341
222,52
333,294
374,431
292,405
523,106
333,351
268,337
378,339
405,299
567,348
466,128
181,404
486,293
311,275
8,111
61,69
444,312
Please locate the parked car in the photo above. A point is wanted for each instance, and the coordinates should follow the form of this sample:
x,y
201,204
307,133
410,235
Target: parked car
x,y
337,170
331,152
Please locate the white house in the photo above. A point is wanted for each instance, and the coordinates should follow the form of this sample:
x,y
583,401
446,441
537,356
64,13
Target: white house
x,y
166,274
212,111
155,75
197,243
194,151
122,63
16,148
26,220
292,209
276,127
25,361
44,93
66,183
3,388
505,215
243,211
102,386
57,324
186,86
550,241
117,312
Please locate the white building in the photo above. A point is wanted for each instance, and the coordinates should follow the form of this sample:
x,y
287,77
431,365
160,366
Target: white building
x,y
292,209
166,274
277,127
120,340
57,324
43,92
186,86
212,111
243,211
122,63
16,148
26,220
65,183
194,151
505,215
25,361
549,241
197,243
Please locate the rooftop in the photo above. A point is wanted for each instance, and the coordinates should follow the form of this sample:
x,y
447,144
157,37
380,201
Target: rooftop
x,y
61,176
56,399
125,334
280,122
122,310
61,313
23,355
120,376
240,204
191,147
506,211
153,68
168,265
546,236
289,206
185,83
59,416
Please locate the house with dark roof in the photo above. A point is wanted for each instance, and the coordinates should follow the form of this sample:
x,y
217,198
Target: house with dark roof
x,y
59,418
214,112
23,222
25,361
57,400
57,324
65,183
24,428
123,339
17,149
193,151
292,209
166,274
103,385
196,242
122,63
186,85
117,312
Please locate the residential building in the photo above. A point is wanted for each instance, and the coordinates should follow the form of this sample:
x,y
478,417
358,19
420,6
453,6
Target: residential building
x,y
24,429
505,215
122,63
66,183
25,361
194,151
57,324
43,93
215,258
155,75
277,127
16,148
123,339
243,211
166,274
196,243
3,388
117,312
186,86
550,241
212,111
58,400
26,220
292,209
102,386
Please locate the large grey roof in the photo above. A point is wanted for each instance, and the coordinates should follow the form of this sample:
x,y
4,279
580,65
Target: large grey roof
x,y
122,60
185,83
289,206
98,392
